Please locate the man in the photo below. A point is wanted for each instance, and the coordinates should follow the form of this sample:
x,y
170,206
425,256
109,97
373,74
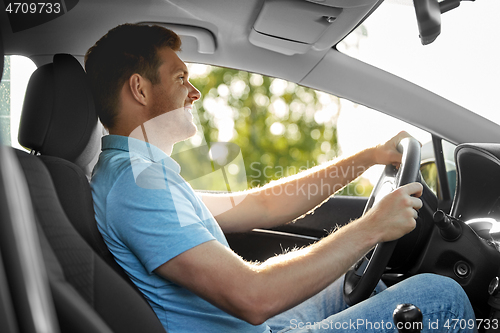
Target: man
x,y
166,237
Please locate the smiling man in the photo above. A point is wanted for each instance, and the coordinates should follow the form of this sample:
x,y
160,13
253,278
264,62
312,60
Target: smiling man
x,y
166,238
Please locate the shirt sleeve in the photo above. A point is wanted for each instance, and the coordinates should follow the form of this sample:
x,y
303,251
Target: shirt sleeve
x,y
153,214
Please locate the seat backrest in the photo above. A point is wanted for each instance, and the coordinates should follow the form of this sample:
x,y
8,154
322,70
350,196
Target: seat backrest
x,y
59,122
75,197
119,305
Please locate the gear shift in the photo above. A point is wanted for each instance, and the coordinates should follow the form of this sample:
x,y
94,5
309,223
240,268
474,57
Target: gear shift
x,y
408,318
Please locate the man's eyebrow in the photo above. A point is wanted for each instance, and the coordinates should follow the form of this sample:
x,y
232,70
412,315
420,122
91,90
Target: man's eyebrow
x,y
181,70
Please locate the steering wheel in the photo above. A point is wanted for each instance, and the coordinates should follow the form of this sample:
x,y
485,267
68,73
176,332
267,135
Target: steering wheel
x,y
362,278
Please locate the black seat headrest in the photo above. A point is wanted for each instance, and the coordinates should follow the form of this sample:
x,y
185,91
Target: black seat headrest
x,y
58,116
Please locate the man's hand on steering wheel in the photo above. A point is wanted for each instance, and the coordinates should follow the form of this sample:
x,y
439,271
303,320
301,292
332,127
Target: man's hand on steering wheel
x,y
395,215
388,153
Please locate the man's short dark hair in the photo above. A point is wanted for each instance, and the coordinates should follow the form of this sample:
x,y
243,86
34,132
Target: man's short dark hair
x,y
122,52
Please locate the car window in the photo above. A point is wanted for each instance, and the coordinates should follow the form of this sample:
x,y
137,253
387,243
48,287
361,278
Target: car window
x,y
16,74
266,128
359,127
429,168
277,128
430,175
450,163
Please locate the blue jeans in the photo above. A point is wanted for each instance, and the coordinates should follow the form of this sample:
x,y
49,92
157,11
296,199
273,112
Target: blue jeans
x,y
444,305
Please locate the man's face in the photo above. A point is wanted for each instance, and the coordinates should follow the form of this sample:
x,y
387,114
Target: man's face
x,y
173,97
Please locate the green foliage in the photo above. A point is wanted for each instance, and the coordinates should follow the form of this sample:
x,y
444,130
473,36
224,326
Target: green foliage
x,y
281,127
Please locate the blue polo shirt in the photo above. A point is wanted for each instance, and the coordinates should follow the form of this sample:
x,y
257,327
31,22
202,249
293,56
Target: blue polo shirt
x,y
148,215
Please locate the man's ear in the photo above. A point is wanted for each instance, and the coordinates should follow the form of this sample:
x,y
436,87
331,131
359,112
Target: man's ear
x,y
139,88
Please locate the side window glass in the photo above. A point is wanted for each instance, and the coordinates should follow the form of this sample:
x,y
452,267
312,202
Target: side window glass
x,y
16,74
257,129
430,176
451,168
279,127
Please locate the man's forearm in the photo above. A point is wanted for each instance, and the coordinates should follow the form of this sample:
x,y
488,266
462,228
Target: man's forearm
x,y
284,200
291,197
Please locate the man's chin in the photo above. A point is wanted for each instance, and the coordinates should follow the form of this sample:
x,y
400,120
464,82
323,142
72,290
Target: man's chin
x,y
195,130
190,133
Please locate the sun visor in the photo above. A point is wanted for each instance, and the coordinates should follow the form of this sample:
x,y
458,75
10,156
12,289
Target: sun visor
x,y
203,38
295,26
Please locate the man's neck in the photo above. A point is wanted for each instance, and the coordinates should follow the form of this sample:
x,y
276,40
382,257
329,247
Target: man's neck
x,y
146,134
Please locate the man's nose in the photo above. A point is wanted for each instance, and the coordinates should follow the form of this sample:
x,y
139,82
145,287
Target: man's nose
x,y
194,94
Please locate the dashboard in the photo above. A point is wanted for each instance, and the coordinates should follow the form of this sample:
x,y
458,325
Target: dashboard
x,y
472,259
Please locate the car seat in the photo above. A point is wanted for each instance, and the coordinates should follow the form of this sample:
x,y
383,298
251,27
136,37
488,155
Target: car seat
x,y
58,123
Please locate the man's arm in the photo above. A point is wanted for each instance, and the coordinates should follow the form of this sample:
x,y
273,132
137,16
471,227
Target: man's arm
x,y
286,199
256,292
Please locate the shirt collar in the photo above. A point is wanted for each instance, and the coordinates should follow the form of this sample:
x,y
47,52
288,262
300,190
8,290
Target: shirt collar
x,y
139,147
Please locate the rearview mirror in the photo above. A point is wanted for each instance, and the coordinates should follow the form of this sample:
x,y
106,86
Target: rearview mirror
x,y
429,19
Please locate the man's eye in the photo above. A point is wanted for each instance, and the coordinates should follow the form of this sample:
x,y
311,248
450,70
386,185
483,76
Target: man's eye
x,y
181,78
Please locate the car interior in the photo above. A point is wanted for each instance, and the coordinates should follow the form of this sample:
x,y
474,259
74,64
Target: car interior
x,y
56,273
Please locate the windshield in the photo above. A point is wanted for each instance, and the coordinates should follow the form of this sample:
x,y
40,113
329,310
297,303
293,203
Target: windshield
x,y
461,64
